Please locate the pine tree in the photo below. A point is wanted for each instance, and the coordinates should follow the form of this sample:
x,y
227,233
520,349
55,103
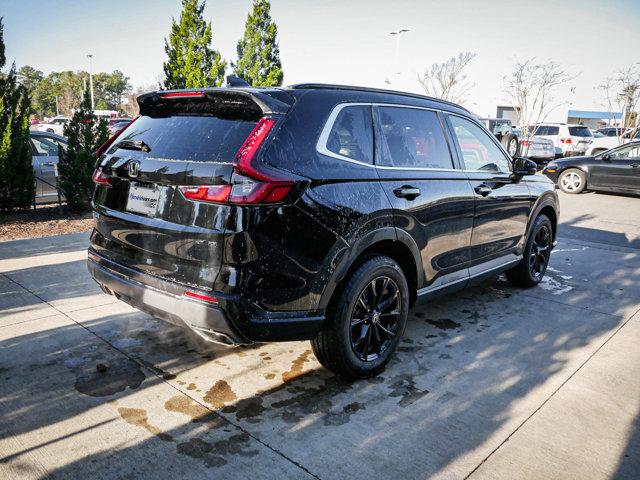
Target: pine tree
x,y
258,52
75,167
17,180
192,62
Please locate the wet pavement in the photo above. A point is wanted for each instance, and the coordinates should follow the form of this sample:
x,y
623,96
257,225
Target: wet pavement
x,y
491,382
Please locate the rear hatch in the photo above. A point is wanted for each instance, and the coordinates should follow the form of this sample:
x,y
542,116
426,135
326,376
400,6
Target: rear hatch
x,y
146,215
581,138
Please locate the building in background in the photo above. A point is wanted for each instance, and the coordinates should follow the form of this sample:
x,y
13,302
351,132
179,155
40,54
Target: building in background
x,y
508,112
593,119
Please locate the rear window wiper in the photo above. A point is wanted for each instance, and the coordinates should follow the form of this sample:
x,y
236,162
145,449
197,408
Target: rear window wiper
x,y
134,145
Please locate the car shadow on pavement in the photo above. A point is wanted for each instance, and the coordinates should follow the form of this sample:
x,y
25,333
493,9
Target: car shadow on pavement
x,y
470,369
572,229
463,374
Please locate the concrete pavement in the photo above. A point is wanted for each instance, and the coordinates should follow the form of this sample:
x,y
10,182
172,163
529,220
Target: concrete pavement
x,y
492,382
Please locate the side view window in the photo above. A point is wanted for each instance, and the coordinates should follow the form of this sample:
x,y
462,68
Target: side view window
x,y
478,150
352,134
629,151
411,138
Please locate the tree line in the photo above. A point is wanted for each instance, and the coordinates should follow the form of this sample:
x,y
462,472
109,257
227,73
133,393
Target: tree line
x,y
59,93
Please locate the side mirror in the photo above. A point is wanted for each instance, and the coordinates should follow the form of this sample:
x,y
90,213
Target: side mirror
x,y
523,166
606,157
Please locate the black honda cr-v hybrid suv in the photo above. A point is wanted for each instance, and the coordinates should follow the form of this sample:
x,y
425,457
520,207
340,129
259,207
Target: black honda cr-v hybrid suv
x,y
310,212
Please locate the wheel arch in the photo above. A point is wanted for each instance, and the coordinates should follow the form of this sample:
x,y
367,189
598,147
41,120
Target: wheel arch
x,y
391,242
548,206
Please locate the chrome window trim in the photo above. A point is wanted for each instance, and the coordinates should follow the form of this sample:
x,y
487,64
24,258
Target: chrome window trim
x,y
321,144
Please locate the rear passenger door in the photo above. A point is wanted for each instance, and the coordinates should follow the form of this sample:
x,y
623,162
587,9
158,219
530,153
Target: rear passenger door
x,y
431,197
502,206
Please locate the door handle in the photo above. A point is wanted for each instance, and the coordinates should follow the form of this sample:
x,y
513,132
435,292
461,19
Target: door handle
x,y
483,190
407,191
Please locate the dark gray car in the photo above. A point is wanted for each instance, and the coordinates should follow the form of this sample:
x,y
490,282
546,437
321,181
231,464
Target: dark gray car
x,y
44,148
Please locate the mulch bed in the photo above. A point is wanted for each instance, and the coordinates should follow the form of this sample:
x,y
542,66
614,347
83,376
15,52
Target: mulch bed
x,y
44,221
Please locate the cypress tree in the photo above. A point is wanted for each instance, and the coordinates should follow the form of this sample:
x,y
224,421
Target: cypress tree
x,y
258,52
17,180
191,61
75,167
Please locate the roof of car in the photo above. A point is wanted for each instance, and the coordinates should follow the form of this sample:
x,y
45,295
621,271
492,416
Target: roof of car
x,y
38,133
328,86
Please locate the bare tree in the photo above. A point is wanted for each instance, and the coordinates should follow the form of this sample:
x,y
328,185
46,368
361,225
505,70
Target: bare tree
x,y
531,87
447,80
622,94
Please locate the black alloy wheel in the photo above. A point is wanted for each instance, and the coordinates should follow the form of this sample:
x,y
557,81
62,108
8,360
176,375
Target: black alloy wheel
x,y
540,251
375,318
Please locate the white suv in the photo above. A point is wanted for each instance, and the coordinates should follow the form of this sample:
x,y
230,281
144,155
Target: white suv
x,y
568,139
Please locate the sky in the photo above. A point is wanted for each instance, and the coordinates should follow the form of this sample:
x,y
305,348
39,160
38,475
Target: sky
x,y
347,42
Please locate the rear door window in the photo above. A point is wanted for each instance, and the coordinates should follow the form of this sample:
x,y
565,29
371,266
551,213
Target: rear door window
x,y
479,151
188,138
411,138
580,132
351,134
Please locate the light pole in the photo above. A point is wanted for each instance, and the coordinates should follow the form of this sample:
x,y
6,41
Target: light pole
x,y
90,56
397,34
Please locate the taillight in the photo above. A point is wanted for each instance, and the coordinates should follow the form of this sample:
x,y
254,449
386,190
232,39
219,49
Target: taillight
x,y
525,143
100,178
243,163
566,141
250,184
104,147
207,193
195,94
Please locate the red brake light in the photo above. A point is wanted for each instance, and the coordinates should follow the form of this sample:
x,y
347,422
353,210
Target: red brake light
x,y
251,185
100,178
199,296
525,143
195,94
566,140
207,193
244,158
105,146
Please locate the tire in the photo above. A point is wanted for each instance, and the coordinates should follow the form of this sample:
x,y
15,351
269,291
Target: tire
x,y
334,347
572,181
511,144
528,273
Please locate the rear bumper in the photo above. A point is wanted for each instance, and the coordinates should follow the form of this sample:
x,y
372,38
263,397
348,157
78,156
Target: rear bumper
x,y
229,322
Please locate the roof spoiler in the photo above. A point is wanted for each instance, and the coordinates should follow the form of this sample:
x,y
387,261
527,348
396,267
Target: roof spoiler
x,y
244,102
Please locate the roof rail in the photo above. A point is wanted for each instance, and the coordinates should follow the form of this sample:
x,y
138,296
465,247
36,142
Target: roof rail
x,y
328,86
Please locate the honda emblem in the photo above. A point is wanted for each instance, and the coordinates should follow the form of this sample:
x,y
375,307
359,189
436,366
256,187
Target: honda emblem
x,y
134,168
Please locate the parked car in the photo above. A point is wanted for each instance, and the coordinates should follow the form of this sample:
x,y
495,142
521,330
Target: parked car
x,y
505,133
601,143
610,131
55,125
44,149
258,215
616,170
568,139
113,127
538,149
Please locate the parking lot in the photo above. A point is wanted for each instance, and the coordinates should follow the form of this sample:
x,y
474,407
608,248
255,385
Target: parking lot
x,y
493,382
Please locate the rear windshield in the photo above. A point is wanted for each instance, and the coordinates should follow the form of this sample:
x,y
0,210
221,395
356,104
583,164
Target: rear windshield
x,y
189,138
544,130
580,132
